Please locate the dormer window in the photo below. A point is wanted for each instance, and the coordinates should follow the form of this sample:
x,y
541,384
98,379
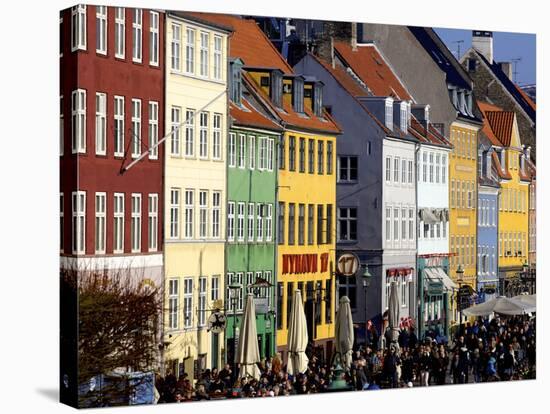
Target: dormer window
x,y
236,82
318,100
276,88
298,94
489,166
404,112
503,159
469,104
389,113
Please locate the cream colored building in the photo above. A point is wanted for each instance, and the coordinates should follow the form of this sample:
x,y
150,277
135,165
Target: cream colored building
x,y
195,191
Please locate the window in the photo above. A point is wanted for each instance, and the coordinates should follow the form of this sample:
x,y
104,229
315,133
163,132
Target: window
x,y
311,156
281,223
189,213
437,167
100,123
203,214
190,51
242,151
189,132
240,222
424,167
320,157
404,292
231,221
443,169
216,206
403,224
135,230
217,58
120,32
329,157
100,217
217,137
136,128
61,222
101,29
187,302
404,171
282,152
395,224
347,169
215,288
320,224
388,169
347,286
251,152
347,224
137,35
176,47
205,38
174,213
302,155
292,153
78,27
262,153
118,233
280,295
153,38
259,222
202,301
119,126
291,223
411,224
269,223
78,109
173,303
250,222
79,221
176,136
410,172
203,135
301,223
232,149
396,169
270,143
153,221
431,167
329,224
153,129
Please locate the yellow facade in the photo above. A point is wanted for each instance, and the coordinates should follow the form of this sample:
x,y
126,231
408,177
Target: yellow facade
x,y
513,215
307,192
195,199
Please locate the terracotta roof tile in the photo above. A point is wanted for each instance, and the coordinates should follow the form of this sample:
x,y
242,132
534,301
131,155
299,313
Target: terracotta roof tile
x,y
526,97
250,116
501,123
344,78
432,137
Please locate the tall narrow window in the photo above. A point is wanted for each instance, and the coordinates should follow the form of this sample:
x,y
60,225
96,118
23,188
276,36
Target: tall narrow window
x,y
260,222
437,167
203,135
242,151
262,153
118,228
329,157
101,29
292,153
404,224
240,222
310,220
411,224
302,155
328,223
189,132
176,135
215,288
100,123
347,224
175,48
216,207
202,301
137,35
190,51
424,167
78,106
136,128
217,57
301,223
269,223
78,27
153,129
404,171
320,157
270,144
388,169
396,169
250,223
217,137
311,156
136,223
153,38
431,167
189,213
153,222
443,169
231,221
120,32
174,213
100,218
232,150
251,152
320,220
395,224
281,223
119,126
61,222
188,302
204,52
282,152
79,222
410,172
291,223
173,303
203,214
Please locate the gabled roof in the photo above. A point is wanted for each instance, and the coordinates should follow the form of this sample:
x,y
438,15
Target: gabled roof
x,y
502,123
519,96
343,78
487,129
372,68
248,115
247,41
432,136
195,18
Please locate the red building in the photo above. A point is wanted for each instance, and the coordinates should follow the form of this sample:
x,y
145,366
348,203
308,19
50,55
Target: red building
x,y
112,104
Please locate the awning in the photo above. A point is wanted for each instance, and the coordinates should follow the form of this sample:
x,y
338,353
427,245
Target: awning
x,y
437,274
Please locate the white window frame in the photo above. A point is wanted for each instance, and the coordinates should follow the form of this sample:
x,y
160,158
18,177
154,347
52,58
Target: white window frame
x,y
175,141
396,223
78,112
100,123
189,150
241,158
388,169
137,35
231,221
190,39
232,149
101,29
410,172
270,145
240,221
202,301
204,54
251,218
175,200
119,126
217,137
100,222
153,222
153,129
173,303
259,222
79,222
388,229
118,223
203,134
251,152
443,169
203,214
175,48
188,302
154,47
135,228
136,127
396,165
78,27
217,69
411,224
189,213
216,214
215,288
269,223
403,171
120,32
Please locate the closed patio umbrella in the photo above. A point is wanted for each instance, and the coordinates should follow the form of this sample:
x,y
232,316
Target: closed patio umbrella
x,y
393,313
344,333
248,354
297,337
500,304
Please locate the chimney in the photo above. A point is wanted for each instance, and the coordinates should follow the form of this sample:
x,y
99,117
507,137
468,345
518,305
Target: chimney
x,y
482,41
506,67
354,37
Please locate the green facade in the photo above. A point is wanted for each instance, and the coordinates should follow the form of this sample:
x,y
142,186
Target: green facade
x,y
248,259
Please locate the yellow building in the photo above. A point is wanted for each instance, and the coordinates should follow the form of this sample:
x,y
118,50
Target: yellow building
x,y
195,185
513,216
462,202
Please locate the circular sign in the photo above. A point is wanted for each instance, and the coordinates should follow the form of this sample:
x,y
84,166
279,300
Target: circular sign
x,y
348,263
216,322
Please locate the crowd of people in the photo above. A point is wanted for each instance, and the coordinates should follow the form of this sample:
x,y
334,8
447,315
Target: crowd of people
x,y
501,349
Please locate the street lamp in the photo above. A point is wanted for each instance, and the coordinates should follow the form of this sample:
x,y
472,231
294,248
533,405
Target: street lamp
x,y
234,289
366,278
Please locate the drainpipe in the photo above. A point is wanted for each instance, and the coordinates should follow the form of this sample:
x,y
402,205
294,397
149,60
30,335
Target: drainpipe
x,y
418,285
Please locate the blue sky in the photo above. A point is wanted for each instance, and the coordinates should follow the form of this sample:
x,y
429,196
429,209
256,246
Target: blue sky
x,y
506,46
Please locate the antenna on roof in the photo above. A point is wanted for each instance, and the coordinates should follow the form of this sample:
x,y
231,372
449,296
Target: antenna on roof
x,y
458,43
515,62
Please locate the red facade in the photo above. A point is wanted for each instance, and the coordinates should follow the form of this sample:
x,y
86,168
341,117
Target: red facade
x,y
97,73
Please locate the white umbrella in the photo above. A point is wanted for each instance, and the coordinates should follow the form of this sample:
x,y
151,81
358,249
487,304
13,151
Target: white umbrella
x,y
344,332
530,300
297,337
393,312
248,354
500,304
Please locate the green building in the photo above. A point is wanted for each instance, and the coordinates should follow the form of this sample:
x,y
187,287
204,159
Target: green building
x,y
251,200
